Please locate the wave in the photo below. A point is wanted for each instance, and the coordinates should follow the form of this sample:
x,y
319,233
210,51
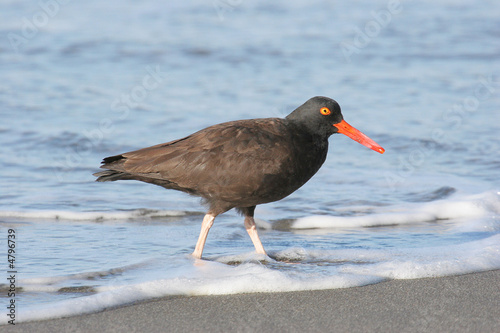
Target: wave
x,y
93,216
411,213
469,207
81,276
204,278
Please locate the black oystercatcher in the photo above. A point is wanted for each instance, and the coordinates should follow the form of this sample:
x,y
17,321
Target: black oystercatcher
x,y
240,164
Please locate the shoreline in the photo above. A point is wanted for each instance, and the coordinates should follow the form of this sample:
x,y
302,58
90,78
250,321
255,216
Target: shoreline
x,y
462,303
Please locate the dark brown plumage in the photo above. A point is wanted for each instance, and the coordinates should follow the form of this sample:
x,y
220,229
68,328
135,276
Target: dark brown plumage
x,y
239,164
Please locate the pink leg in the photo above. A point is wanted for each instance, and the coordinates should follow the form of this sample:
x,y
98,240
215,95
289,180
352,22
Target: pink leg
x,y
207,223
252,232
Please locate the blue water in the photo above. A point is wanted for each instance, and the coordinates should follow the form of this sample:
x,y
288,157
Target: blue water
x,y
82,81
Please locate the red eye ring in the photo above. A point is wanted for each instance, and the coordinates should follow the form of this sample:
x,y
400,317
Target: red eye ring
x,y
325,111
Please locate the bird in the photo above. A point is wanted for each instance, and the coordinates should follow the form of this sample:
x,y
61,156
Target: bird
x,y
240,164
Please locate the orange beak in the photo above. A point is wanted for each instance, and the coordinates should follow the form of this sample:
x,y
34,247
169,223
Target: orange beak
x,y
346,129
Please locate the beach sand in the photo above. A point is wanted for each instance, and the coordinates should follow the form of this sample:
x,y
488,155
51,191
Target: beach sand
x,y
466,303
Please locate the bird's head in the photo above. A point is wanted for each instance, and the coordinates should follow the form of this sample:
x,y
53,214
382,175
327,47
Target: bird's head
x,y
322,116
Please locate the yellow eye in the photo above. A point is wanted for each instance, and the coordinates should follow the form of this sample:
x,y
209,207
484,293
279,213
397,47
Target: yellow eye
x,y
325,111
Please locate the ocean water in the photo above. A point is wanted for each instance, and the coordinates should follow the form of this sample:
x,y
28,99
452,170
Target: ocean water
x,y
82,81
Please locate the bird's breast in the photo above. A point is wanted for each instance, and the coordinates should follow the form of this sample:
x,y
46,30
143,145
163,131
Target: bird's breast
x,y
295,169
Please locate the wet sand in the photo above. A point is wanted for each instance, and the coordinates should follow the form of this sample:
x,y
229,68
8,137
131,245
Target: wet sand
x,y
466,303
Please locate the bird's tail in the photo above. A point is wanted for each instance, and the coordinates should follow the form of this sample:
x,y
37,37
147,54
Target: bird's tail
x,y
111,176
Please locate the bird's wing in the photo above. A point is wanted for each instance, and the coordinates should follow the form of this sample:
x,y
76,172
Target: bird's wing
x,y
240,152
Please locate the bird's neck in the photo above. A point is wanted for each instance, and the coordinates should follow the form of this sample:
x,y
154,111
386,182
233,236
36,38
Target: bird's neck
x,y
302,130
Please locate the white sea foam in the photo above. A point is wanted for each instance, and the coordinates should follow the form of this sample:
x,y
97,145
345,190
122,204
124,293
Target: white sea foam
x,y
90,216
439,261
470,207
206,278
